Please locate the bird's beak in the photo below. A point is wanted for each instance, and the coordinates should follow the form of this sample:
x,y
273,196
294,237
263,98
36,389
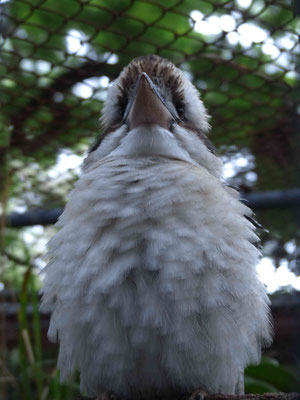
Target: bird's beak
x,y
148,106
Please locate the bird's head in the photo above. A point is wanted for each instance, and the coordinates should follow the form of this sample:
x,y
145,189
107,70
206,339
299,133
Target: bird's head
x,y
154,104
152,90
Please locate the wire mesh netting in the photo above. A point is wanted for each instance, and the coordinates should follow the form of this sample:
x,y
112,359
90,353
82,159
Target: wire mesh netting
x,y
57,58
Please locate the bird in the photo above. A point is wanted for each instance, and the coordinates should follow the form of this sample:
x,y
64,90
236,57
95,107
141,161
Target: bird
x,y
151,281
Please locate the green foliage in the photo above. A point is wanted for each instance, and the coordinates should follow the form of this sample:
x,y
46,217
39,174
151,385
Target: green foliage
x,y
36,376
269,376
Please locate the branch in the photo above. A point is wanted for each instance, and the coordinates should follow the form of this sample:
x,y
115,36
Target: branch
x,y
15,259
46,97
265,396
259,200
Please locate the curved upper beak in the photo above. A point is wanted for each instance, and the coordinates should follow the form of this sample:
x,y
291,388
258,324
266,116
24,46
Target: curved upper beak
x,y
148,106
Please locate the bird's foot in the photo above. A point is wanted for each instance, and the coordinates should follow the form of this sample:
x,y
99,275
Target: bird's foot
x,y
108,396
198,394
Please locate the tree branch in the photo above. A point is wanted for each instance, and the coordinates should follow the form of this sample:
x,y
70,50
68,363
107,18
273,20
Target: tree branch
x,y
46,97
265,396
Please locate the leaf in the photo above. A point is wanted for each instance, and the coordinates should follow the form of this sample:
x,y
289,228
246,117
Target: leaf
x,y
274,374
253,385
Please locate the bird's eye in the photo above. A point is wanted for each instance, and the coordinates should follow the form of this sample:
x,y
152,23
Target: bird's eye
x,y
180,111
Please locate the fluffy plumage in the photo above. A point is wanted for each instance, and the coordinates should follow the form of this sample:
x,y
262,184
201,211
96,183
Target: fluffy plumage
x,y
152,282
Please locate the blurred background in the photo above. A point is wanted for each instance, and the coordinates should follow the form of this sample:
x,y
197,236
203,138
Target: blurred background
x,y
57,58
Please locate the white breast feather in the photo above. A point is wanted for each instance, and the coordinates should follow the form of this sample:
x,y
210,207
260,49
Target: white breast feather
x,y
152,281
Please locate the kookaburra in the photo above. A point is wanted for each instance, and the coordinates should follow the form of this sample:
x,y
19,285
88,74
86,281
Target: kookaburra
x,y
152,281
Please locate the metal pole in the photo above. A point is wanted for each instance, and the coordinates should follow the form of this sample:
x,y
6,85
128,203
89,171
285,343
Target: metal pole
x,y
256,201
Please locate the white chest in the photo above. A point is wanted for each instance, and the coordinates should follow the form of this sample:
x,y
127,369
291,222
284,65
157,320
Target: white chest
x,y
153,270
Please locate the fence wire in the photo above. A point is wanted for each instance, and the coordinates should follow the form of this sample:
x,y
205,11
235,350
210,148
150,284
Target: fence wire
x,y
57,58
